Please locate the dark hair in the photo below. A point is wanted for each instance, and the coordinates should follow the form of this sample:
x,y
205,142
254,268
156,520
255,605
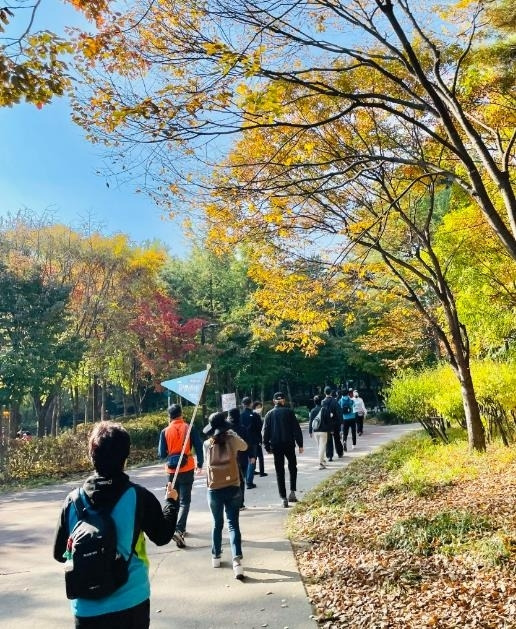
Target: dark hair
x,y
257,403
327,390
246,401
108,447
317,399
234,416
218,418
175,411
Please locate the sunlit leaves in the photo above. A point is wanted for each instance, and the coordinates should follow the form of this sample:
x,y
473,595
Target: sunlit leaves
x,y
32,64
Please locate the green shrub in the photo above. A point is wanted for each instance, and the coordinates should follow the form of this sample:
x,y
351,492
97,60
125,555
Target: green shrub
x,y
415,394
47,457
66,455
302,413
446,532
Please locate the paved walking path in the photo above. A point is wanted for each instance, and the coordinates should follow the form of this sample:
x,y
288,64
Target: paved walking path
x,y
187,593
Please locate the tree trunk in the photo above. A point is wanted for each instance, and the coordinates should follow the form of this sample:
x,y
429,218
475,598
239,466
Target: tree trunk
x,y
476,431
14,419
289,395
49,414
86,403
458,352
56,410
42,414
103,400
74,394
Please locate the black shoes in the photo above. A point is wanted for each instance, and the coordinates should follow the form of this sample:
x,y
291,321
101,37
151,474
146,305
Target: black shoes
x,y
251,486
292,497
264,474
284,502
179,539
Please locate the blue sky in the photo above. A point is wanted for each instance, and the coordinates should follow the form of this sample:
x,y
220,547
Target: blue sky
x,y
48,166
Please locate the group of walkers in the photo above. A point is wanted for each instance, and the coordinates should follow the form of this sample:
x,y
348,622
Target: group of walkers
x,y
332,419
106,566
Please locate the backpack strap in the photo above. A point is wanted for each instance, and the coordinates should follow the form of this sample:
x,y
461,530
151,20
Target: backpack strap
x,y
78,500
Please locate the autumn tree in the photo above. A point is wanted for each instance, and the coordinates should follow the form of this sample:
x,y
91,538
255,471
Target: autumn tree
x,y
33,64
433,78
108,278
38,348
162,343
355,119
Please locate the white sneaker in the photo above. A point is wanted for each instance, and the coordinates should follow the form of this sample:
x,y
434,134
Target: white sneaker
x,y
215,562
238,570
352,447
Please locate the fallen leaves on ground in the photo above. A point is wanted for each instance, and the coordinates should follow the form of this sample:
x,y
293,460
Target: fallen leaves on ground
x,y
354,581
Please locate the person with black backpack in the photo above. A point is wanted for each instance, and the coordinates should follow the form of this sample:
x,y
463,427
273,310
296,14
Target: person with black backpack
x,y
330,403
100,537
317,425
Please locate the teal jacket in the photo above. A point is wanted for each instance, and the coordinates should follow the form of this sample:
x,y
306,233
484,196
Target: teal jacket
x,y
136,512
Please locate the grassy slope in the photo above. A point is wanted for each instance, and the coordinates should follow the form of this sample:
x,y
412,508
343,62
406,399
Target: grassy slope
x,y
415,535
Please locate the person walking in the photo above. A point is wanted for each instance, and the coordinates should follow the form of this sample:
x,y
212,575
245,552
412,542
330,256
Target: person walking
x,y
321,432
243,459
257,408
360,412
348,421
252,422
223,479
135,511
171,441
334,431
281,432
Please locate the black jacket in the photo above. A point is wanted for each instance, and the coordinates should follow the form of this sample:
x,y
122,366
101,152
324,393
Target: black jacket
x,y
241,431
336,412
281,427
252,422
156,522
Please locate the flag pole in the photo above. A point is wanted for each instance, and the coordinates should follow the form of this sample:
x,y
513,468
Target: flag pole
x,y
208,367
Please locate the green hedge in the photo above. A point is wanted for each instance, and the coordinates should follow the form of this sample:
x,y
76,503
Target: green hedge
x,y
416,394
47,458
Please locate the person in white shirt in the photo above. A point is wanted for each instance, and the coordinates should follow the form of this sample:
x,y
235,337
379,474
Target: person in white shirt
x,y
360,412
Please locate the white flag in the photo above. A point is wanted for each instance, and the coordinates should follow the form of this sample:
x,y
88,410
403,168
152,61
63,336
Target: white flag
x,y
190,387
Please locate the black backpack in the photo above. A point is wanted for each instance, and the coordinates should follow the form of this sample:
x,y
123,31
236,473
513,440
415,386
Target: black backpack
x,y
346,405
93,569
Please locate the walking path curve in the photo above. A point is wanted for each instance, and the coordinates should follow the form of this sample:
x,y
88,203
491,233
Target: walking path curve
x,y
187,593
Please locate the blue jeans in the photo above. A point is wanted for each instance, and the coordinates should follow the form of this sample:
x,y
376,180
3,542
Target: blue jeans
x,y
251,454
184,482
228,499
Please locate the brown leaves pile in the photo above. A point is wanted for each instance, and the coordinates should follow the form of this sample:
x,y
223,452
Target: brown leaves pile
x,y
354,581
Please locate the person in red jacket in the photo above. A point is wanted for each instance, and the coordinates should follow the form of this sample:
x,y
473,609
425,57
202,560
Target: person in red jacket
x,y
170,446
